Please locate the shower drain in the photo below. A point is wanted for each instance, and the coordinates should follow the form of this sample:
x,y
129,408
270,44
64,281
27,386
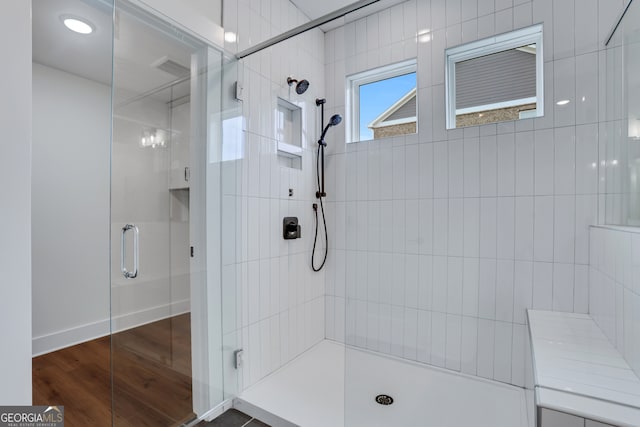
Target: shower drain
x,y
383,399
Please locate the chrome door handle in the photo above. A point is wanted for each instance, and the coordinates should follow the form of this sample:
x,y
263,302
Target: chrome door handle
x,y
136,235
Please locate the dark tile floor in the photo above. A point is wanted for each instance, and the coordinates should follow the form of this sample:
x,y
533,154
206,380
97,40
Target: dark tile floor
x,y
233,418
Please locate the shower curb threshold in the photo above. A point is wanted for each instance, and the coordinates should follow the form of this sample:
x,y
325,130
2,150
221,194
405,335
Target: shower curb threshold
x,y
261,414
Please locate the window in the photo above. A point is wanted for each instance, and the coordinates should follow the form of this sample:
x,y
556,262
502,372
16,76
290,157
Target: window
x,y
382,102
495,79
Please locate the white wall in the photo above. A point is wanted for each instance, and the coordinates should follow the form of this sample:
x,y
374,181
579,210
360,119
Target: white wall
x,y
72,214
70,198
15,213
444,238
614,288
614,268
280,299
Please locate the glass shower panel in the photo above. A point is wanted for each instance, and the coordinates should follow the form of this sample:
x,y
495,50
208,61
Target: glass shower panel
x,y
151,348
70,154
166,305
620,160
381,261
228,146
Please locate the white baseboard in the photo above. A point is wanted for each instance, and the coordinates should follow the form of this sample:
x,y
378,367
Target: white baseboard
x,y
79,334
68,337
131,320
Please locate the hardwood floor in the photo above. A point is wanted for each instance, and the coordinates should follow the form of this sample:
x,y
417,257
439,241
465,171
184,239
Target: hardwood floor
x,y
151,383
78,378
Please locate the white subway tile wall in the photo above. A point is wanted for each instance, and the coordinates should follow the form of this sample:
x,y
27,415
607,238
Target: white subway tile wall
x,y
438,241
614,289
280,301
442,239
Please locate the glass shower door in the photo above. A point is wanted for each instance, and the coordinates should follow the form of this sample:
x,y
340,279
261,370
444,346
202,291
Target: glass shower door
x,y
150,296
166,332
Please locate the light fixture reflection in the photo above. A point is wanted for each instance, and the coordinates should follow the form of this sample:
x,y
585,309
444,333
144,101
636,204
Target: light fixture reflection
x,y
230,37
424,36
78,26
563,102
153,138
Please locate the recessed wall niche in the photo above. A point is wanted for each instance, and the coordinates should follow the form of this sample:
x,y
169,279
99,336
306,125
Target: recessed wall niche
x,y
289,134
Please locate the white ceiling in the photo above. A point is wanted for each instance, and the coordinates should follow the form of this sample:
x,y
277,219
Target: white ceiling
x,y
315,9
55,46
136,46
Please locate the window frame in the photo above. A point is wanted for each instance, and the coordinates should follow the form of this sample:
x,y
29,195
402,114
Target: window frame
x,y
352,98
488,46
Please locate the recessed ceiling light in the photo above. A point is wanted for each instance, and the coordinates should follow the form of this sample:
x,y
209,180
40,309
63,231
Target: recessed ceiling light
x,y
563,102
77,25
230,37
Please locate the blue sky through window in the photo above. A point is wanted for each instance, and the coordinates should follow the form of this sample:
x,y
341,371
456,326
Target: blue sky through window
x,y
376,97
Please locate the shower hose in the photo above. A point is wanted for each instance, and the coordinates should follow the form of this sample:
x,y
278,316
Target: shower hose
x,y
324,221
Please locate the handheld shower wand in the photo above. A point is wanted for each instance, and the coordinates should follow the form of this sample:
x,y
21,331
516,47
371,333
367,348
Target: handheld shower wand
x,y
334,121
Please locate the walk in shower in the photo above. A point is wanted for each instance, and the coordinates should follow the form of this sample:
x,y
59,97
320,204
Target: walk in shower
x,y
168,162
439,240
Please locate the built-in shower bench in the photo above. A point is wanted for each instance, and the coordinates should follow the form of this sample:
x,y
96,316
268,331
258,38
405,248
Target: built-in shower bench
x,y
580,379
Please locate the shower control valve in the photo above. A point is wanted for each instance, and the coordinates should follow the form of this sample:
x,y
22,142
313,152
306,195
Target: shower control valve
x,y
290,228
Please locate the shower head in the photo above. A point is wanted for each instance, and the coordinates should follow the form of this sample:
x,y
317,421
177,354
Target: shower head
x,y
301,86
333,121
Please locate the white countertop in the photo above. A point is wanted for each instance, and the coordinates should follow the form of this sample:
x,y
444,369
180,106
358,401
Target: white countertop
x,y
578,371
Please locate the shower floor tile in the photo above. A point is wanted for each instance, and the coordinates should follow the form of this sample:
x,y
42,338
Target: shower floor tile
x,y
312,391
